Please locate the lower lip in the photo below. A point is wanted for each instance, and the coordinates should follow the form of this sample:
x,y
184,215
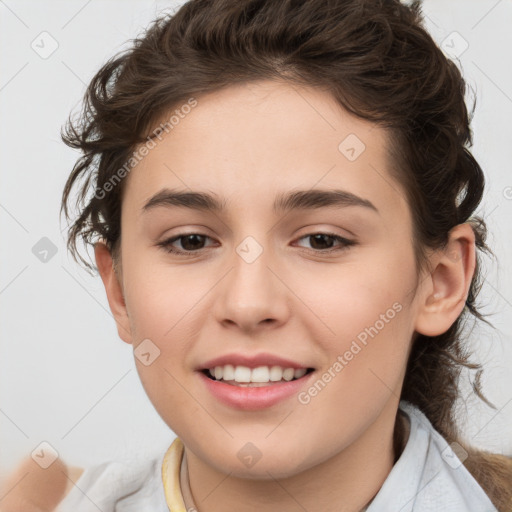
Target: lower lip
x,y
257,398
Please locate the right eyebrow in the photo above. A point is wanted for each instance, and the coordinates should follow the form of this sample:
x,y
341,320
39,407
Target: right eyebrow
x,y
193,200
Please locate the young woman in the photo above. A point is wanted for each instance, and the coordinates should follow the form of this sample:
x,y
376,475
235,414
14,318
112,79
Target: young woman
x,y
281,201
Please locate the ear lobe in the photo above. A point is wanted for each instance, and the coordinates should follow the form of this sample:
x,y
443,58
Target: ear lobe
x,y
447,287
113,290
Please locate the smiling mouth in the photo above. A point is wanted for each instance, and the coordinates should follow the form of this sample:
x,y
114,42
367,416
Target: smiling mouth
x,y
262,377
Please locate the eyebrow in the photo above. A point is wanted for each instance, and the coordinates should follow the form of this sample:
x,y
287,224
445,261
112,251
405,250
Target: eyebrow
x,y
297,200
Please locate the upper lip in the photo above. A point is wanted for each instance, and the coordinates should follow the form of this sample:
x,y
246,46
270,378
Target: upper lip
x,y
251,361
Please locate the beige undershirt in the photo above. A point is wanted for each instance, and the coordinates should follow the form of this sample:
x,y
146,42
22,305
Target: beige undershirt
x,y
185,485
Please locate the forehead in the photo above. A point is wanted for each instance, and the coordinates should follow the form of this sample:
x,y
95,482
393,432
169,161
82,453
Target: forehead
x,y
246,140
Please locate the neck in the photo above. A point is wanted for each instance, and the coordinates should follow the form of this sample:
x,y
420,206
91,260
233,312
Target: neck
x,y
346,482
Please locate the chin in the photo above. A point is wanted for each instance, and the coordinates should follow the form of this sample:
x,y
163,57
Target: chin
x,y
266,463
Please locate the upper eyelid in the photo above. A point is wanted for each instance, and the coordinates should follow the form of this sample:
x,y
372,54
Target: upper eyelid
x,y
175,238
309,233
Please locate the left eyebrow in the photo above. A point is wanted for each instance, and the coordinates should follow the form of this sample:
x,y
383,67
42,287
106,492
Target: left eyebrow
x,y
298,200
317,198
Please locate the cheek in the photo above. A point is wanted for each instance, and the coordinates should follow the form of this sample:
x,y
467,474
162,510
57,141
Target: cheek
x,y
351,297
163,311
362,317
160,312
365,353
161,301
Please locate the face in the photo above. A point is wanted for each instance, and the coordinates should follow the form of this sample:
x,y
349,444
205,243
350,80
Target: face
x,y
324,282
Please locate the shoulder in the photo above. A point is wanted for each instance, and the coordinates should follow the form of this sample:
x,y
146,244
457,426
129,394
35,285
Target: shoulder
x,y
430,475
115,485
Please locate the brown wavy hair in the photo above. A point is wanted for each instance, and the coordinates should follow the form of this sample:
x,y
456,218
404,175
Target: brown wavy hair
x,y
379,63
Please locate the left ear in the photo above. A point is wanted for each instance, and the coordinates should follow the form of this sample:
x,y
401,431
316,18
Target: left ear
x,y
447,286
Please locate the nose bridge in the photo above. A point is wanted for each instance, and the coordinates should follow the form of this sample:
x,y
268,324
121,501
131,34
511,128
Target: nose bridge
x,y
251,294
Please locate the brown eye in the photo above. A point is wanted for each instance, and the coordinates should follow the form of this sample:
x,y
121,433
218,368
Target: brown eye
x,y
190,242
325,242
321,242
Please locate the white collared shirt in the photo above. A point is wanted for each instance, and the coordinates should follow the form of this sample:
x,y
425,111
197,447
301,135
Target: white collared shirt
x,y
428,477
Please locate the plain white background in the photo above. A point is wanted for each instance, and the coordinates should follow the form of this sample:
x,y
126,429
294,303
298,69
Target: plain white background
x,y
66,378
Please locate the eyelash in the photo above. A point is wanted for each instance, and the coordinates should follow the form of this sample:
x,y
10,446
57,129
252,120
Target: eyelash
x,y
166,244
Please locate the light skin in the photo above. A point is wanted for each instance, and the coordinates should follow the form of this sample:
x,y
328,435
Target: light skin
x,y
30,488
247,144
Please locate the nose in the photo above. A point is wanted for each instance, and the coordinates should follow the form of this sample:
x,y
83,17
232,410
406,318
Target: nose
x,y
252,295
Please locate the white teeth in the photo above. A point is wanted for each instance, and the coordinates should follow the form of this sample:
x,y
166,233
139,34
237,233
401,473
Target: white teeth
x,y
276,373
260,374
288,374
228,372
300,372
242,374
